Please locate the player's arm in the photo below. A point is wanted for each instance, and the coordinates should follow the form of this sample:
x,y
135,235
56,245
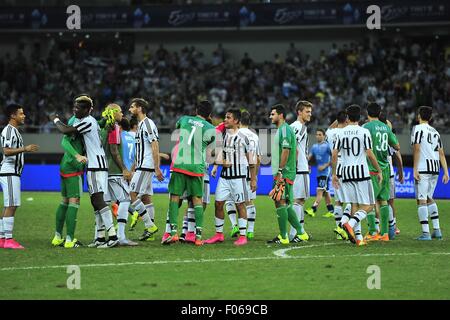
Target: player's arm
x,y
374,162
334,178
444,165
64,128
115,153
416,157
68,148
156,160
283,160
399,163
13,151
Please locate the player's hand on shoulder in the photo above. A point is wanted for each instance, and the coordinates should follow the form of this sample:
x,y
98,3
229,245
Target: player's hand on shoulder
x,y
31,148
80,158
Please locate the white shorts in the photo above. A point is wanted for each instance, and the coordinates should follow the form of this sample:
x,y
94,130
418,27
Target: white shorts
x,y
118,190
392,188
206,192
11,190
97,181
142,182
301,186
360,192
338,193
252,195
425,187
232,189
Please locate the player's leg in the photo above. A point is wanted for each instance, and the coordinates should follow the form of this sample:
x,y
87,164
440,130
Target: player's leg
x,y
383,198
194,188
329,203
312,211
421,189
230,207
223,193
251,213
120,191
177,187
371,217
74,191
11,199
58,239
240,196
296,224
433,211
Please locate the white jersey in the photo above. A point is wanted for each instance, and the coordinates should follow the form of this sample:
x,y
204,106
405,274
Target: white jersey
x,y
12,165
353,142
301,135
430,142
145,135
90,130
331,136
254,146
391,152
235,148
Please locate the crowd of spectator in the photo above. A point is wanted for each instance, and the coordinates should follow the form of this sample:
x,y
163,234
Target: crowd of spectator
x,y
400,75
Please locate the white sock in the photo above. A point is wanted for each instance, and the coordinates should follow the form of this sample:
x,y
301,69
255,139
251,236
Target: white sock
x,y
8,226
147,220
185,225
122,219
139,206
348,209
357,218
337,214
434,215
391,217
108,221
346,215
357,231
251,216
191,219
423,217
168,229
298,211
2,232
219,225
151,211
242,226
377,224
231,210
99,227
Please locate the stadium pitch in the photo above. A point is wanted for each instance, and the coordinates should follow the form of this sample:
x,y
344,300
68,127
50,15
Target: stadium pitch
x,y
323,268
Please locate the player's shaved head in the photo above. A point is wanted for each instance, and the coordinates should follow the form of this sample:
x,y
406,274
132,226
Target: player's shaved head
x,y
425,113
353,112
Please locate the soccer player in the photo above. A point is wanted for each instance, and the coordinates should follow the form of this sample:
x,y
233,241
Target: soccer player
x,y
188,168
97,169
255,157
428,157
321,152
301,183
284,172
118,173
146,164
71,171
232,184
11,169
355,146
332,134
382,137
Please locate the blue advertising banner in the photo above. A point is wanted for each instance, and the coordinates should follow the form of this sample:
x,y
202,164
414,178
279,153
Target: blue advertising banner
x,y
46,178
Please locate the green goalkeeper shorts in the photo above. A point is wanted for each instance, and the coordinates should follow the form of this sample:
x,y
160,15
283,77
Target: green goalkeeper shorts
x,y
72,187
382,192
180,182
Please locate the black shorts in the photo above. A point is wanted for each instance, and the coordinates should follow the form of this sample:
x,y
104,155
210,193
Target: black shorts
x,y
323,183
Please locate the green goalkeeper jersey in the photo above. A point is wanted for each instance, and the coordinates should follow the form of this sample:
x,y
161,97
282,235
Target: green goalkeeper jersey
x,y
190,152
69,166
285,139
382,138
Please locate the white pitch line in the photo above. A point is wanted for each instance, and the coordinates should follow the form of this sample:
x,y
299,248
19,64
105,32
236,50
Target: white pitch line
x,y
221,260
282,252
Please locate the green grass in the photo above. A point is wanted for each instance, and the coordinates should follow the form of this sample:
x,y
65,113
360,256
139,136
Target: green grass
x,y
324,268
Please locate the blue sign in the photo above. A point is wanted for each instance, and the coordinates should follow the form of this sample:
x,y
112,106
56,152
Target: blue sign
x,y
46,178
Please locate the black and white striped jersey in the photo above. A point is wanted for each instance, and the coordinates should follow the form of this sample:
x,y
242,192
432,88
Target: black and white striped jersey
x,y
301,135
430,142
145,135
254,147
12,165
391,152
235,148
331,136
89,129
352,142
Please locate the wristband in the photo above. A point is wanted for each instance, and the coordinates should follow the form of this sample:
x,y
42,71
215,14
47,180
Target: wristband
x,y
55,120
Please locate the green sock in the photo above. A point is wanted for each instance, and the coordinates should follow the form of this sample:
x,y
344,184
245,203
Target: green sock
x,y
60,217
372,224
293,220
71,220
173,216
282,215
198,216
384,219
